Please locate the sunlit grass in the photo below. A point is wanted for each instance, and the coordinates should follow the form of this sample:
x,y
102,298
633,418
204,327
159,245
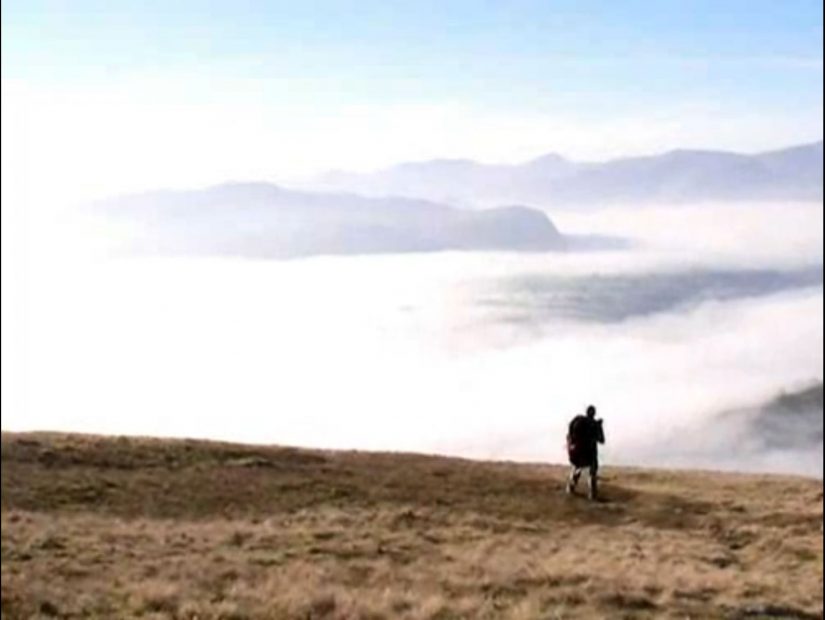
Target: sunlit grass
x,y
119,528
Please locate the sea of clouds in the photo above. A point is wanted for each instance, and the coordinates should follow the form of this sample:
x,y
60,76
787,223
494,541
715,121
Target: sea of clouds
x,y
477,354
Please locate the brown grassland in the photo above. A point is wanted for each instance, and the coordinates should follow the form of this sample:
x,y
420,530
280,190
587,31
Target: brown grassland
x,y
97,527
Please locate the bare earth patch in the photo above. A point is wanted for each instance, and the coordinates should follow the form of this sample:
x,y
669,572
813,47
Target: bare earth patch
x,y
98,527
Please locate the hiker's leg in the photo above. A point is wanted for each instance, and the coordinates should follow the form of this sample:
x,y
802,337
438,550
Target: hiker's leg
x,y
575,474
594,484
594,479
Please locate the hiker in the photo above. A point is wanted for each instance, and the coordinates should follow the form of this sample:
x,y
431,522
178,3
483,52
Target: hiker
x,y
584,435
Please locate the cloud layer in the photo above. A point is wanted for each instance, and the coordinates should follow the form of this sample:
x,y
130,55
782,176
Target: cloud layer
x,y
407,353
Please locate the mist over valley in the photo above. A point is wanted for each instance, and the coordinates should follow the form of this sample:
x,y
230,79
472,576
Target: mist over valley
x,y
453,348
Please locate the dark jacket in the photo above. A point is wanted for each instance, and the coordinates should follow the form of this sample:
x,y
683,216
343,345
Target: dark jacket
x,y
583,438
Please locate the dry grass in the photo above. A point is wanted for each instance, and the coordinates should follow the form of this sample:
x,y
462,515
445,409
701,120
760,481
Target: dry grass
x,y
119,528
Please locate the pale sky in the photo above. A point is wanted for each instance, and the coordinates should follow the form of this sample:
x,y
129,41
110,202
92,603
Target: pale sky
x,y
108,97
101,97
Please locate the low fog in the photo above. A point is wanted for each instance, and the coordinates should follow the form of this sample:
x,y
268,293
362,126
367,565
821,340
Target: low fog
x,y
711,309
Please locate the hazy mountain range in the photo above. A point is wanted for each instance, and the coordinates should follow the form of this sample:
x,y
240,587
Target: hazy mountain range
x,y
680,176
264,220
407,208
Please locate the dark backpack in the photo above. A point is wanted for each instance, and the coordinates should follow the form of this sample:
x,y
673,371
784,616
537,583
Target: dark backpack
x,y
582,436
578,431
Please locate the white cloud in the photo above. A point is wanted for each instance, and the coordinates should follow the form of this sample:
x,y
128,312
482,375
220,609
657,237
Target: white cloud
x,y
397,352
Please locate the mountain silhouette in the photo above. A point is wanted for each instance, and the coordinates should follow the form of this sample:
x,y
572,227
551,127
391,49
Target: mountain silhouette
x,y
678,176
264,220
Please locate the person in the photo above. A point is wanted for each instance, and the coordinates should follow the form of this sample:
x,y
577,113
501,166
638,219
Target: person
x,y
584,435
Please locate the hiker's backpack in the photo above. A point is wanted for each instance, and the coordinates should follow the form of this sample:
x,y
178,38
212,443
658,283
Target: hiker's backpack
x,y
579,444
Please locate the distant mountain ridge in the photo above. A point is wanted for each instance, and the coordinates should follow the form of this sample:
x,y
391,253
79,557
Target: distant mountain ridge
x,y
678,176
265,220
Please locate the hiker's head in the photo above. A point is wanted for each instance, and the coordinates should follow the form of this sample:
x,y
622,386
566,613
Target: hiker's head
x,y
591,412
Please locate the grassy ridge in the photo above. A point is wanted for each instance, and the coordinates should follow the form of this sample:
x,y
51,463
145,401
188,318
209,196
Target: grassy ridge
x,y
128,527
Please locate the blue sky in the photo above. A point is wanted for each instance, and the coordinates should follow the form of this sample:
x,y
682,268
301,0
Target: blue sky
x,y
633,50
303,86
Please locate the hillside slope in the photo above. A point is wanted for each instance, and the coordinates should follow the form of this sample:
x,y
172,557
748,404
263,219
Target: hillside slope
x,y
790,420
117,527
783,433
